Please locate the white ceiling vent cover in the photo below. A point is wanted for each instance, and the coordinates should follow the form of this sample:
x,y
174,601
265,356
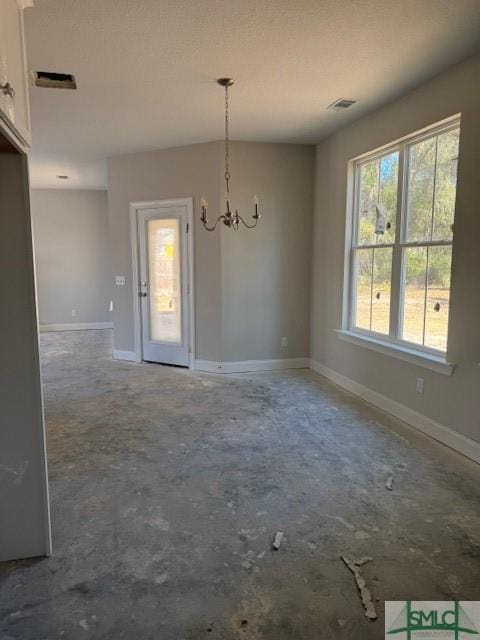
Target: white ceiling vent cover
x,y
341,104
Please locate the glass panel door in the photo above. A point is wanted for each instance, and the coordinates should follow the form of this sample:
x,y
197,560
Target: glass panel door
x,y
164,274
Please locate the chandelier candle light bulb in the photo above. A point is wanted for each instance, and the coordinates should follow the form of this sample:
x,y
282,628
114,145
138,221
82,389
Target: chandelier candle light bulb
x,y
229,219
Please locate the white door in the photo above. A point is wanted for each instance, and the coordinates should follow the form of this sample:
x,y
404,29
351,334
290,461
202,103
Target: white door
x,y
163,284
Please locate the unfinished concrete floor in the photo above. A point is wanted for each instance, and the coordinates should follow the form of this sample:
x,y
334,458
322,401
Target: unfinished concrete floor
x,y
167,488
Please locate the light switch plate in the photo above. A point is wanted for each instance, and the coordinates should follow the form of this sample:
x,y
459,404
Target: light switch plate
x,y
120,281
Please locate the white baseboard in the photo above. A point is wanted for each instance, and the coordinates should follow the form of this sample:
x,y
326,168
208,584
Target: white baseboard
x,y
75,326
130,356
466,446
249,366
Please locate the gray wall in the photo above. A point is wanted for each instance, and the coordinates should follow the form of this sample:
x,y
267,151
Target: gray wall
x,y
71,242
24,519
251,287
455,401
191,171
266,271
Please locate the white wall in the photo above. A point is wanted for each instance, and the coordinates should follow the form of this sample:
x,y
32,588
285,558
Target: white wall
x,y
451,401
24,518
70,229
266,271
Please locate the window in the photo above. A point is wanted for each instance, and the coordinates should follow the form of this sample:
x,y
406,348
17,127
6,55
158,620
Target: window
x,y
401,251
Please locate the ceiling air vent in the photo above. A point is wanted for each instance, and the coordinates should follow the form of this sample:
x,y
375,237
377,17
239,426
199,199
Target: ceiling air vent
x,y
51,80
341,104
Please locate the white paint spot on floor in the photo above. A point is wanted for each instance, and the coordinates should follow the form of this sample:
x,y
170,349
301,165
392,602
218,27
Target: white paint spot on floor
x,y
84,624
159,523
345,523
361,535
162,578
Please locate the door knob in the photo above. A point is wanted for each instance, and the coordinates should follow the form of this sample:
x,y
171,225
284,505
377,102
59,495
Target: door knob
x,y
142,294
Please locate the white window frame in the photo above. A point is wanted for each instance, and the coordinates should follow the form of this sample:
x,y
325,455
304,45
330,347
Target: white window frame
x,y
391,344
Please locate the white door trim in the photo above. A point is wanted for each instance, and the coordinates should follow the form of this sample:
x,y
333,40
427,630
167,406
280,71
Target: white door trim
x,y
135,207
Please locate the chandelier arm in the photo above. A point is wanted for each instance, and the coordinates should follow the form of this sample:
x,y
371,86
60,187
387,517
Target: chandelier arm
x,y
249,226
215,225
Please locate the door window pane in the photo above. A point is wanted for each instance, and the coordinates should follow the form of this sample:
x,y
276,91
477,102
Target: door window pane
x,y
382,275
438,297
415,272
164,280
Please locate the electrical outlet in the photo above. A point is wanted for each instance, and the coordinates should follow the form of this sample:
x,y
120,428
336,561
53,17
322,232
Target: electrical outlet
x,y
284,342
419,385
74,313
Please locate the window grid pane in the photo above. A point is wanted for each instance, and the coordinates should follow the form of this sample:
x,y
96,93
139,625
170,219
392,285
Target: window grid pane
x,y
445,185
438,297
373,271
381,288
414,294
364,277
421,187
377,205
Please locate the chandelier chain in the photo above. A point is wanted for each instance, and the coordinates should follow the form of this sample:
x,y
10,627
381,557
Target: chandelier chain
x,y
227,150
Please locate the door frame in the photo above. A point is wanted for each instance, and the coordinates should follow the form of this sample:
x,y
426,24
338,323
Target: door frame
x,y
135,207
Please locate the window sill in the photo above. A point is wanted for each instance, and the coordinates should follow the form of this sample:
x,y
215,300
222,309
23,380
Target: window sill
x,y
419,358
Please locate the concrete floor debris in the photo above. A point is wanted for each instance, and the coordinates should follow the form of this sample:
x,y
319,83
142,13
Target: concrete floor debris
x,y
277,541
365,593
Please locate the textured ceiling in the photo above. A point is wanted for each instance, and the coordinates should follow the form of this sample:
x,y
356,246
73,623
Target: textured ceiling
x,y
145,70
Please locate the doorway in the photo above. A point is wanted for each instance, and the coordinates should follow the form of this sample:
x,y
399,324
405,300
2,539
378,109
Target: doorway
x,y
162,251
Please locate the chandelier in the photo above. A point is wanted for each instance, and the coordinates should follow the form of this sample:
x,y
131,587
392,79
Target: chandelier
x,y
229,219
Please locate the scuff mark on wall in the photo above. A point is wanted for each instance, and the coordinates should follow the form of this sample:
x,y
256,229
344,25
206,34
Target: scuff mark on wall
x,y
17,472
